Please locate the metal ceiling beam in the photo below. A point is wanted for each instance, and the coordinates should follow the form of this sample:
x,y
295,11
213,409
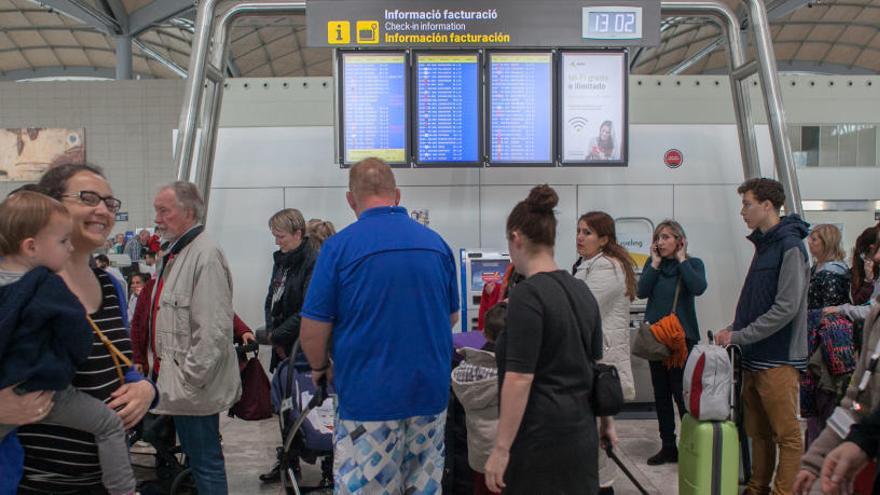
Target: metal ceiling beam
x,y
80,47
693,59
844,24
15,29
821,42
784,8
119,12
83,13
155,12
821,68
808,66
102,72
158,57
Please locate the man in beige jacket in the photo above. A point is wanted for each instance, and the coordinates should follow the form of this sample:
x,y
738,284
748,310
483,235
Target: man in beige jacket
x,y
191,334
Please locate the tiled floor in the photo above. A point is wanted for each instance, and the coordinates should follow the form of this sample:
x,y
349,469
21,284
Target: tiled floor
x,y
250,448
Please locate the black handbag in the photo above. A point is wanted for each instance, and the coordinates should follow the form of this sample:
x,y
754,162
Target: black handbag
x,y
606,396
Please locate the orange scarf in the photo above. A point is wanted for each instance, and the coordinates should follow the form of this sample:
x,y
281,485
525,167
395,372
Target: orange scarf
x,y
669,332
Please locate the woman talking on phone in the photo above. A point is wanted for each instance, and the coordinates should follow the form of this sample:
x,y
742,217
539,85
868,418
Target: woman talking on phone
x,y
668,268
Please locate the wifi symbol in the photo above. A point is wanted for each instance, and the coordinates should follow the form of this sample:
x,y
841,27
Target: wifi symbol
x,y
577,123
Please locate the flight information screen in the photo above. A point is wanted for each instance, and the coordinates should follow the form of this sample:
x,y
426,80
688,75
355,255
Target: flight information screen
x,y
520,108
374,112
447,91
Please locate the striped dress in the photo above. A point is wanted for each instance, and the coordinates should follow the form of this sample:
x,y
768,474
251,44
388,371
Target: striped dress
x,y
62,460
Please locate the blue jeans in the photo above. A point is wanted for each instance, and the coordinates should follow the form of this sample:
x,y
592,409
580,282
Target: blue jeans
x,y
200,441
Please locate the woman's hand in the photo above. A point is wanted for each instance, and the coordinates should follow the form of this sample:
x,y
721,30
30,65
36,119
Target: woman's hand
x,y
655,256
24,409
682,251
132,401
248,337
607,432
830,310
495,468
869,268
803,482
841,467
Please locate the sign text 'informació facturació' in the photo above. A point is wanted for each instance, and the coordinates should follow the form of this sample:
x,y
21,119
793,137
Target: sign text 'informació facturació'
x,y
486,23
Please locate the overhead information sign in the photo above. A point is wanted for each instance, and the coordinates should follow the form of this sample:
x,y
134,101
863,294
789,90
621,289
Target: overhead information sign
x,y
593,123
447,89
520,108
482,23
373,110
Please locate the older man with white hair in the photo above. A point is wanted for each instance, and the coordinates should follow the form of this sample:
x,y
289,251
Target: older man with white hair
x,y
191,330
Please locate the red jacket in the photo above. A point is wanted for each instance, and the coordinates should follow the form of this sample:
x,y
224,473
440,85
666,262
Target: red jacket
x,y
140,327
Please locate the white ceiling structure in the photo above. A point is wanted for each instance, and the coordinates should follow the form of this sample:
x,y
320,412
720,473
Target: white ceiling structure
x,y
80,38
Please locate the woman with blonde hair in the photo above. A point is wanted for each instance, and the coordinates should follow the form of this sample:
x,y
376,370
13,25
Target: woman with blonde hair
x,y
291,273
319,230
668,273
829,286
607,269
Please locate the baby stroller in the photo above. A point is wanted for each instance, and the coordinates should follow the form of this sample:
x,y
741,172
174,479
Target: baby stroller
x,y
174,476
306,414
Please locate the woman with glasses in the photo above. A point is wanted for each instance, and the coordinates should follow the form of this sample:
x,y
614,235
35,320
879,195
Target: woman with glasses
x,y
865,280
57,459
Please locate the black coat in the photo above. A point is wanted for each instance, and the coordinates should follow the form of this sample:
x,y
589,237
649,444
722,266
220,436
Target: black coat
x,y
44,334
284,318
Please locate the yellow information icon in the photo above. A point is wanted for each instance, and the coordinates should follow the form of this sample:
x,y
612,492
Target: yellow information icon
x,y
338,32
368,32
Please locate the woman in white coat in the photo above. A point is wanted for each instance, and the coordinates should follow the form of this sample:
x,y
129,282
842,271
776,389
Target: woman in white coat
x,y
607,269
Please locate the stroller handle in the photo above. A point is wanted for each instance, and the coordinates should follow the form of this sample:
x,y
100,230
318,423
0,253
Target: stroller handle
x,y
320,394
251,347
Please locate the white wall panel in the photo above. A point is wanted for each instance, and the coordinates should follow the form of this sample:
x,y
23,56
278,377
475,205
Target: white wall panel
x,y
276,157
453,212
716,234
326,203
711,154
496,203
237,220
654,202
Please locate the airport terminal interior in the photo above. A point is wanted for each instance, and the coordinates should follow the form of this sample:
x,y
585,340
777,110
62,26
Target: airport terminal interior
x,y
647,111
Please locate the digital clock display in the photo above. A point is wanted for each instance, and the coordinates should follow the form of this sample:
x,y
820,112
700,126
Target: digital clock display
x,y
612,23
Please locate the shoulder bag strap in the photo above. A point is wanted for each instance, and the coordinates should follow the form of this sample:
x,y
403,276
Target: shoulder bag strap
x,y
577,320
677,293
114,351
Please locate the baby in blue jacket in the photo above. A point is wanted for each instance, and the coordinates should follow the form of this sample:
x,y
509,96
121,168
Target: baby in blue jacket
x,y
45,336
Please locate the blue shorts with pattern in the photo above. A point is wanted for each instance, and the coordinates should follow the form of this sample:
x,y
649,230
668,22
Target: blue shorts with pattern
x,y
390,457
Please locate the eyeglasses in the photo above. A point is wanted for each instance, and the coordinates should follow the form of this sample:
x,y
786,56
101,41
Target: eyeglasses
x,y
91,198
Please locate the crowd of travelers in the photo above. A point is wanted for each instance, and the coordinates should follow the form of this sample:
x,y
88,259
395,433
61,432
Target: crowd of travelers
x,y
90,351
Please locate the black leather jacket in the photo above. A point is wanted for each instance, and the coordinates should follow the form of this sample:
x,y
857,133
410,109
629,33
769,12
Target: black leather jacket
x,y
283,318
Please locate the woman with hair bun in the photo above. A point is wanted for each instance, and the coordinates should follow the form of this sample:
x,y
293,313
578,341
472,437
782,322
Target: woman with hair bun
x,y
608,270
547,437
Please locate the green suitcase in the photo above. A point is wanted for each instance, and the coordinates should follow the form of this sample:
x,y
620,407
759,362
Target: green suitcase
x,y
708,458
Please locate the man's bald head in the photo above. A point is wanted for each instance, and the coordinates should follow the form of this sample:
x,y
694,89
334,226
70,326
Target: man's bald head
x,y
371,184
372,177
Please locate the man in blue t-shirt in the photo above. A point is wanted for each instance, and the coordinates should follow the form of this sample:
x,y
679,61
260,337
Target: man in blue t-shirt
x,y
384,290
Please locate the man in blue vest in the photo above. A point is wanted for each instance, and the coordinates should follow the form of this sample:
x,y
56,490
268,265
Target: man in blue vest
x,y
771,328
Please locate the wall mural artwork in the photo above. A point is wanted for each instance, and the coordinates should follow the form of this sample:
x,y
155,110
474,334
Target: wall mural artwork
x,y
26,153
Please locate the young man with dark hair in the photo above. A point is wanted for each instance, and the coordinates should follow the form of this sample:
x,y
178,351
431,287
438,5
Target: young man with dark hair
x,y
771,328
